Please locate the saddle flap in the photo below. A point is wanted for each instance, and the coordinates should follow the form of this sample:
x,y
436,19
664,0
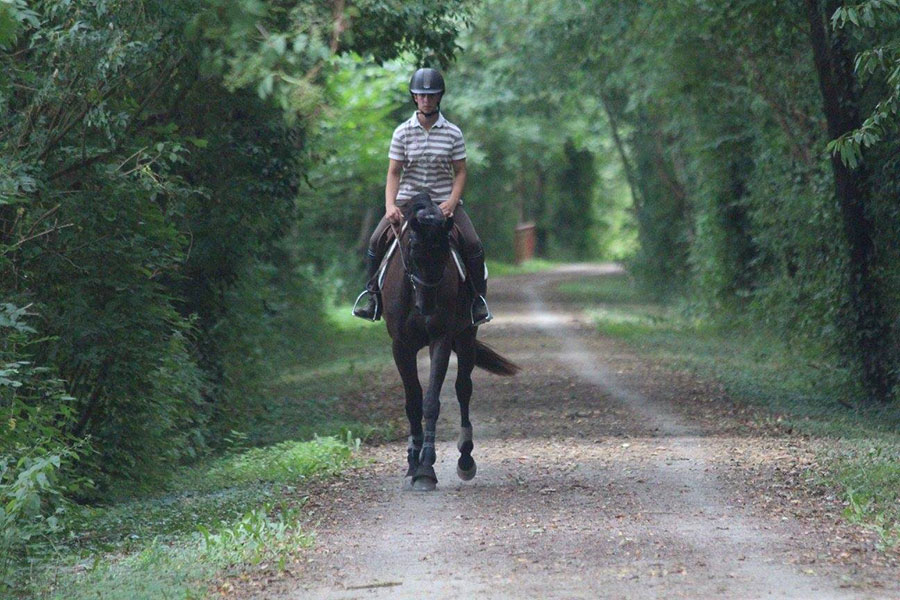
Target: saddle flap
x,y
385,261
457,260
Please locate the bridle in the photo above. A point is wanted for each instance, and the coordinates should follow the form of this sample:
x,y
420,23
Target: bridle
x,y
414,279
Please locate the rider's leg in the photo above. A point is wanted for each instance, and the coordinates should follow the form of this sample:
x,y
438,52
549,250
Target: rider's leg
x,y
473,252
368,304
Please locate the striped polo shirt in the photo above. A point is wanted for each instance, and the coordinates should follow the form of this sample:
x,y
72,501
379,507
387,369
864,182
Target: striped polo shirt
x,y
427,157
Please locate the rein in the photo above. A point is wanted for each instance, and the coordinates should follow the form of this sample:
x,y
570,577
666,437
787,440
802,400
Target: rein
x,y
400,245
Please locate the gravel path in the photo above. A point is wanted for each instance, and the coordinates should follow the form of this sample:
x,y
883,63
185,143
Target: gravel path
x,y
600,475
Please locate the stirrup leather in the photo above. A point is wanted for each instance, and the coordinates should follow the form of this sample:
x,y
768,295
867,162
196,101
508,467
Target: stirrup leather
x,y
359,311
484,318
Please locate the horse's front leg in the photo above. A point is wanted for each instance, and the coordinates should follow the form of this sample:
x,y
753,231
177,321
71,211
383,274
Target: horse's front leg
x,y
425,478
405,359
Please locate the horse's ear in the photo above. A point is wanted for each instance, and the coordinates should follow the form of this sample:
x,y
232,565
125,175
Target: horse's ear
x,y
408,212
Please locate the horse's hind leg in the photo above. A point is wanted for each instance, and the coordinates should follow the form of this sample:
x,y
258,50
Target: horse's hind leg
x,y
405,359
465,354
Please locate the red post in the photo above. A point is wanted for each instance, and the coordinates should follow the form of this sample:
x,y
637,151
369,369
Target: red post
x,y
525,240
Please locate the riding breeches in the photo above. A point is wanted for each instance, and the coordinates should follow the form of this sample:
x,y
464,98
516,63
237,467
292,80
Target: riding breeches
x,y
468,240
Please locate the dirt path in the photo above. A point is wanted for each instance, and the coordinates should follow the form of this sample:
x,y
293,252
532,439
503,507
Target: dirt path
x,y
600,474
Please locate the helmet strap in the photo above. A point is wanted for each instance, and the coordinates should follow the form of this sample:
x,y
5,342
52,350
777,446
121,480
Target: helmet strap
x,y
430,114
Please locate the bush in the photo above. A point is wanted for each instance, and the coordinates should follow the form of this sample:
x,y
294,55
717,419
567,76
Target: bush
x,y
38,455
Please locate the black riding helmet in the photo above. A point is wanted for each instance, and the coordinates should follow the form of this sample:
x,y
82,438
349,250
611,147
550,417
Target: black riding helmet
x,y
426,81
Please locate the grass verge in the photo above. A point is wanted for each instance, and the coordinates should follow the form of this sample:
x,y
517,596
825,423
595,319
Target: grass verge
x,y
242,511
501,269
230,514
797,389
327,394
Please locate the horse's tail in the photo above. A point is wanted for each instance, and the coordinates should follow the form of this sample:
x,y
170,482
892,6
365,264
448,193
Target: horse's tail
x,y
489,360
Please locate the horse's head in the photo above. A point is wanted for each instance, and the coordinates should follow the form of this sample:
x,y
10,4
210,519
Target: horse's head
x,y
429,247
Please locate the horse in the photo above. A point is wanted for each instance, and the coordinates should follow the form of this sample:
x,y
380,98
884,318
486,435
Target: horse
x,y
427,303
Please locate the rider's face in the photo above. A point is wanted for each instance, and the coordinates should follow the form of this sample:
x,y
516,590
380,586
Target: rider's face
x,y
427,102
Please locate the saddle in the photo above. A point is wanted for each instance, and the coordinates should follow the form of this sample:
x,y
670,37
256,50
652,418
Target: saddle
x,y
394,243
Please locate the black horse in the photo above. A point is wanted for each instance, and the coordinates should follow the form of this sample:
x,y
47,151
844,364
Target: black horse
x,y
427,303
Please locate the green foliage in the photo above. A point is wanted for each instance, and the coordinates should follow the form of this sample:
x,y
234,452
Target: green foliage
x,y
37,452
519,111
573,216
187,567
282,463
14,15
149,164
150,160
805,388
870,474
878,66
231,513
717,118
500,269
255,537
344,197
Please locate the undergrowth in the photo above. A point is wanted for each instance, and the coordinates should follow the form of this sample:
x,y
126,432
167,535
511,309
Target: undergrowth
x,y
229,513
798,386
242,510
183,568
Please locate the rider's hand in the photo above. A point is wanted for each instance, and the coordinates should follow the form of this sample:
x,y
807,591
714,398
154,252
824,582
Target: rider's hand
x,y
394,214
447,208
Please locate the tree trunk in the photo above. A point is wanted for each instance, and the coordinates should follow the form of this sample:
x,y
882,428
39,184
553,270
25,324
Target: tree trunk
x,y
365,231
613,120
868,326
540,186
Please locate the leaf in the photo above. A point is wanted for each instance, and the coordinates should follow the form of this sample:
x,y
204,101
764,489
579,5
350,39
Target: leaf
x,y
279,44
198,142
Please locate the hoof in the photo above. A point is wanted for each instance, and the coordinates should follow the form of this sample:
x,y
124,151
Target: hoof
x,y
425,479
423,484
467,473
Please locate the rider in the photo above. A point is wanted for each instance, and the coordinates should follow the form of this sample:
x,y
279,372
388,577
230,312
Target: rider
x,y
427,154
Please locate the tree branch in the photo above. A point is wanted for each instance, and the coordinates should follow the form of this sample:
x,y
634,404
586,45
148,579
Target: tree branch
x,y
340,25
37,235
51,144
131,124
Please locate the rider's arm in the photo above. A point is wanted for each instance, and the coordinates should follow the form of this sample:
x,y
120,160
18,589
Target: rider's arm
x,y
391,187
459,184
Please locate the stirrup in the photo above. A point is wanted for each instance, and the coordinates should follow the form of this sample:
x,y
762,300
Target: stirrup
x,y
484,319
360,311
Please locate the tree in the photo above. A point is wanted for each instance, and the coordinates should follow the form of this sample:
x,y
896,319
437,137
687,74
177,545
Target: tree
x,y
868,326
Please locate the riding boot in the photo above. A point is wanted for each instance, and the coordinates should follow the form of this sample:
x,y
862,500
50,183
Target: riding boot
x,y
368,303
478,273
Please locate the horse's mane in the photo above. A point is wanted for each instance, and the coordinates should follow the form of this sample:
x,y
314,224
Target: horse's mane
x,y
427,221
421,201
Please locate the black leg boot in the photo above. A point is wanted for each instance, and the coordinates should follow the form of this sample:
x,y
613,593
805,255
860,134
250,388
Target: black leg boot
x,y
368,304
480,312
